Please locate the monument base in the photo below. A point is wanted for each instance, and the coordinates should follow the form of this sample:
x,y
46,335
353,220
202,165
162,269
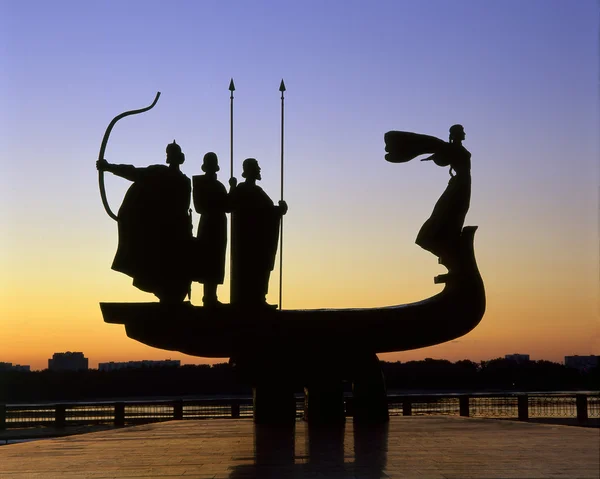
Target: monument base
x,y
273,404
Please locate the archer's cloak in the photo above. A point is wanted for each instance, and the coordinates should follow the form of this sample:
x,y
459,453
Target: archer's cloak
x,y
155,230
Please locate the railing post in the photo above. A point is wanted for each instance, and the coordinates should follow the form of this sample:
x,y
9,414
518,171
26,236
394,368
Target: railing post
x,y
582,409
119,414
2,417
523,407
349,406
406,407
235,409
60,415
463,406
178,409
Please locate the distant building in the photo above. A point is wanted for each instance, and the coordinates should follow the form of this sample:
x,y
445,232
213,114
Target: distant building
x,y
113,366
582,363
518,358
14,367
5,366
69,361
26,368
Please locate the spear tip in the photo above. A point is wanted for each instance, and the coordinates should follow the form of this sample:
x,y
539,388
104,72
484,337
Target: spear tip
x,y
282,86
231,85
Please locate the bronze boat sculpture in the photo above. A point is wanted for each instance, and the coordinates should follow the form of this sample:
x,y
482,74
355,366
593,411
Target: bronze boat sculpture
x,y
226,331
277,350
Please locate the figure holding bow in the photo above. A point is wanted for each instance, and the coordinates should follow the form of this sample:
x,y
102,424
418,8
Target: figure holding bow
x,y
155,229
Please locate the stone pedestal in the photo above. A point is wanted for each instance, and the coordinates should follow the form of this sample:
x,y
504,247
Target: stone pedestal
x,y
369,391
324,402
274,404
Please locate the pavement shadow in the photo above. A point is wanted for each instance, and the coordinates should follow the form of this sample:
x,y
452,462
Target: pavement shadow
x,y
334,451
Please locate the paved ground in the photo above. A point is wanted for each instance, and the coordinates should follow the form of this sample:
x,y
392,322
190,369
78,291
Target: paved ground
x,y
8,436
409,447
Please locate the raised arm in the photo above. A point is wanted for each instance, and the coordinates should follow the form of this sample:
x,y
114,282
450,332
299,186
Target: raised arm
x,y
447,155
128,172
441,158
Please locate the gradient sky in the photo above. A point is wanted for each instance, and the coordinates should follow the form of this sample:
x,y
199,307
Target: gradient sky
x,y
521,76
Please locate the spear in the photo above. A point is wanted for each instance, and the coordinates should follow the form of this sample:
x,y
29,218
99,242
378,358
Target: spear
x,y
282,90
231,89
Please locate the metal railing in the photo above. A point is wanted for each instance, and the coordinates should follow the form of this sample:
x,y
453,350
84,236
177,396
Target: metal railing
x,y
509,406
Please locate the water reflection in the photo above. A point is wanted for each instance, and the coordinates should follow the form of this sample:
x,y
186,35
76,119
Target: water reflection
x,y
302,450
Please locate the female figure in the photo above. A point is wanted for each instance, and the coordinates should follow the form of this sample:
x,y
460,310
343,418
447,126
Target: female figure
x,y
441,232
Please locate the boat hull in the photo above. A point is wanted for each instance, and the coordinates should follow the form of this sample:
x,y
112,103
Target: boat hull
x,y
228,331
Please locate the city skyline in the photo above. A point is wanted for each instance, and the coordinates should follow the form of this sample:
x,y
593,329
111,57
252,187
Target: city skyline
x,y
523,85
510,356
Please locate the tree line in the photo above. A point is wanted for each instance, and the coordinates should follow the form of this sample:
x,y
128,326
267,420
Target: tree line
x,y
428,375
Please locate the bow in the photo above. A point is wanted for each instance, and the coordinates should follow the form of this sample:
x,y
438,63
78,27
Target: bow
x,y
103,149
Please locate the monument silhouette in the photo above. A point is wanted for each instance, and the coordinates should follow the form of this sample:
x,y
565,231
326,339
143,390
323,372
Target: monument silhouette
x,y
155,229
275,350
212,202
255,222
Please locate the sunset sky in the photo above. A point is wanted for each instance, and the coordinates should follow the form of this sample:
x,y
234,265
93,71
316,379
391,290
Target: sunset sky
x,y
521,76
